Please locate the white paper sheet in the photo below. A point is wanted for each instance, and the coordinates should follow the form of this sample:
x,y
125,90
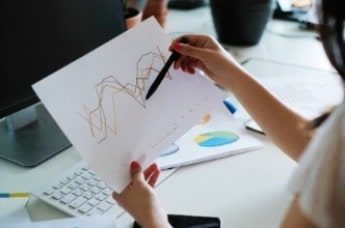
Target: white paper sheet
x,y
309,97
217,135
99,102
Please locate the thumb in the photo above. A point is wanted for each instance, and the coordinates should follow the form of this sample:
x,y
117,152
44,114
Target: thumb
x,y
135,170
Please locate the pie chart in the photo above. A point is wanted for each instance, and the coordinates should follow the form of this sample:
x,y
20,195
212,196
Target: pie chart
x,y
215,138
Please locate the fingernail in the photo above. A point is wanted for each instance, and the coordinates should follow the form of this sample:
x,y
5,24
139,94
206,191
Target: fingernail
x,y
191,71
178,46
183,68
134,165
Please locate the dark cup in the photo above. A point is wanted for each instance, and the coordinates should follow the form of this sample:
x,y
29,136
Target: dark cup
x,y
240,22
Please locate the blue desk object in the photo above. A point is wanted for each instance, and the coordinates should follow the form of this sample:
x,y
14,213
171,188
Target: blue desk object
x,y
230,106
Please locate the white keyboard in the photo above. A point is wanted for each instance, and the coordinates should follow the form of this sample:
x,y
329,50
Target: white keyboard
x,y
78,191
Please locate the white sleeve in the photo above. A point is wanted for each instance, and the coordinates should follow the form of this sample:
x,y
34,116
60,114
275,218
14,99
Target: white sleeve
x,y
320,177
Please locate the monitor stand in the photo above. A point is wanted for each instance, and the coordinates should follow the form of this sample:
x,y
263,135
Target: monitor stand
x,y
30,137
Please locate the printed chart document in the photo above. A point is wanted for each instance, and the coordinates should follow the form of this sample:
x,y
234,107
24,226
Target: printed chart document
x,y
217,135
99,102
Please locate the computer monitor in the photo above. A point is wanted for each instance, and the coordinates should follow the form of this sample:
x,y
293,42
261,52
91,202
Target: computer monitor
x,y
39,37
303,12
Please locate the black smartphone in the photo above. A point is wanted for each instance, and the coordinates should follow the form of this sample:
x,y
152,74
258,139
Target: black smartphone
x,y
190,221
186,4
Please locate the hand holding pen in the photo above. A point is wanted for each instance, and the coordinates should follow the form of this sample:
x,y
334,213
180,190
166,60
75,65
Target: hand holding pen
x,y
173,57
205,53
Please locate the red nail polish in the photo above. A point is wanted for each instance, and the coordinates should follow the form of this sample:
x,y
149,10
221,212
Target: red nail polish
x,y
134,165
178,46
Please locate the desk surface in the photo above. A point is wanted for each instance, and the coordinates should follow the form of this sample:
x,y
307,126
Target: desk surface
x,y
246,190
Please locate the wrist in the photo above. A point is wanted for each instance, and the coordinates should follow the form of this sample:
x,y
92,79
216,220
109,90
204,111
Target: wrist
x,y
158,218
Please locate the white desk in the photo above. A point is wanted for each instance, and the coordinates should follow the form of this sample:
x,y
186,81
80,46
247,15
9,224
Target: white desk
x,y
247,190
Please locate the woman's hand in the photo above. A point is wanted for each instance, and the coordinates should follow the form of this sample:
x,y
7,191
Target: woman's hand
x,y
205,53
140,200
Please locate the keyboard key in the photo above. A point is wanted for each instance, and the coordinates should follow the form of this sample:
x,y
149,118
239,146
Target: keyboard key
x,y
66,180
49,192
104,206
57,195
94,202
79,172
110,200
78,202
92,182
73,185
87,175
84,187
65,190
95,190
79,180
101,185
88,195
108,191
58,186
95,211
101,196
79,191
85,208
68,198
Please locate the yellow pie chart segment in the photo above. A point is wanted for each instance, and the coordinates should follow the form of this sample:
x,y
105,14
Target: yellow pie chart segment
x,y
215,138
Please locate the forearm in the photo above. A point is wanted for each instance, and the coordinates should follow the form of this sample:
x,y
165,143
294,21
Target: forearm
x,y
280,123
156,220
295,217
153,216
156,224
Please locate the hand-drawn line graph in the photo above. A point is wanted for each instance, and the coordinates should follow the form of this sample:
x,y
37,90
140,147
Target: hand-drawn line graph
x,y
102,118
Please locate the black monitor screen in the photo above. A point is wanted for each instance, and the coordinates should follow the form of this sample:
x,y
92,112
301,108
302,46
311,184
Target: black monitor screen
x,y
37,38
40,36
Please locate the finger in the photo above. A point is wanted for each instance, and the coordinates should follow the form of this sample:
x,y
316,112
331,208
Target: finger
x,y
148,172
135,171
153,178
184,64
116,196
181,39
177,63
191,71
192,39
194,64
189,66
191,51
199,48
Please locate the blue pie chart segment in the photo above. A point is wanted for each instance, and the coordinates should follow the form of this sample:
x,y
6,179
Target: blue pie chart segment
x,y
216,138
170,150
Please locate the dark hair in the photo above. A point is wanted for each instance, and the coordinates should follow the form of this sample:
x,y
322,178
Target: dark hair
x,y
332,32
332,25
